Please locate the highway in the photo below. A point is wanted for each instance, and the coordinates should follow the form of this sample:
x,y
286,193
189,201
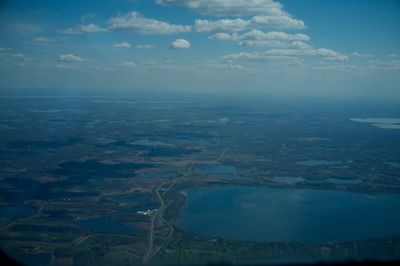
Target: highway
x,y
159,214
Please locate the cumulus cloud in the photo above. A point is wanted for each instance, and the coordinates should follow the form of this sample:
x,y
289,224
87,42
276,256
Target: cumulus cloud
x,y
282,21
268,39
18,56
361,55
180,44
266,12
83,28
228,7
243,55
133,21
300,45
220,66
273,35
232,25
238,24
70,58
288,53
122,45
144,46
223,36
271,39
9,54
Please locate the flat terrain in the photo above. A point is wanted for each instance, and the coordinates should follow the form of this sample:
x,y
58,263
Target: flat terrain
x,y
103,180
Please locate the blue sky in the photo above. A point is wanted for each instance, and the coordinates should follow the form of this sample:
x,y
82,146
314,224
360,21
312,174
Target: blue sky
x,y
296,47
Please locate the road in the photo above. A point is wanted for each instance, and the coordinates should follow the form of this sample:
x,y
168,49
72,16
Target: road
x,y
159,214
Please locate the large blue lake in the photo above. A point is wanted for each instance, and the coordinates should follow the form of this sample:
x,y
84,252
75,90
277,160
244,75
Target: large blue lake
x,y
269,214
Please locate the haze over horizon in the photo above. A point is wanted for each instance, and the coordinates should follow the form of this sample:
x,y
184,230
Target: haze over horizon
x,y
330,48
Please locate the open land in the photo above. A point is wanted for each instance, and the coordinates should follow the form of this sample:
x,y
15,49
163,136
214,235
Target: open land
x,y
103,180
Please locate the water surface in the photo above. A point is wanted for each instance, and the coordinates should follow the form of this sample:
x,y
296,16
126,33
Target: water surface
x,y
267,214
393,164
319,162
16,211
107,225
146,142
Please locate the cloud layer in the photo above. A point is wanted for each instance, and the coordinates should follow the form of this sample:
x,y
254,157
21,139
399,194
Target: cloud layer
x,y
83,28
288,53
268,39
122,45
266,12
133,21
70,58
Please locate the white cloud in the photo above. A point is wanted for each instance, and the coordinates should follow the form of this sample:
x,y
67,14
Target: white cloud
x,y
220,66
233,25
322,52
336,67
300,45
180,44
122,45
266,12
210,66
70,58
278,22
8,54
273,35
279,44
272,38
223,36
91,28
3,51
83,28
275,39
285,53
242,55
392,56
228,7
164,65
18,56
42,39
238,24
133,21
144,46
360,55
